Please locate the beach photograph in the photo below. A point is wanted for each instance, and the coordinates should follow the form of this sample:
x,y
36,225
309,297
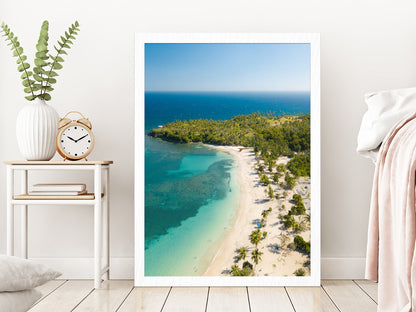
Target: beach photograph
x,y
227,165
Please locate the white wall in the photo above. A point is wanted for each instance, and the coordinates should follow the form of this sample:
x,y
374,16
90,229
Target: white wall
x,y
365,46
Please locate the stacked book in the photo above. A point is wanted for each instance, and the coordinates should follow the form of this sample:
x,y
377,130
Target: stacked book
x,y
58,189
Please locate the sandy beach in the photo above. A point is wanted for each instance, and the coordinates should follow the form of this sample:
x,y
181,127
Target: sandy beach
x,y
280,261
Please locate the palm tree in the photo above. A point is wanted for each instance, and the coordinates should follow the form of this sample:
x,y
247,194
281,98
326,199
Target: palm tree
x,y
256,256
242,253
255,237
264,214
235,270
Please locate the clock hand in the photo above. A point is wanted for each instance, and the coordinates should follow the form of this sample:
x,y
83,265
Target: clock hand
x,y
81,138
71,139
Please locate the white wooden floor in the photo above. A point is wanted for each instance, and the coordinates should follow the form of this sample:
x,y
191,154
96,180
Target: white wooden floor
x,y
120,295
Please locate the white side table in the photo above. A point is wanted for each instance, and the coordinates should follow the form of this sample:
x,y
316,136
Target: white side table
x,y
99,199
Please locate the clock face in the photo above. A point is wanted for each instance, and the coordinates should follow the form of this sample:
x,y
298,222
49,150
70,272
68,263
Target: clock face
x,y
76,141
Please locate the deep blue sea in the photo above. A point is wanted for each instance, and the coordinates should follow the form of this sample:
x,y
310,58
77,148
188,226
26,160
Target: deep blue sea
x,y
191,191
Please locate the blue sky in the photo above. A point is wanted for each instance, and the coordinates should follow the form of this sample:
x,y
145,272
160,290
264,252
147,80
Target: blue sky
x,y
227,67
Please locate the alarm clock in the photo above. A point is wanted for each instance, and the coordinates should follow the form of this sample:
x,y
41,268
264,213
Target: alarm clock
x,y
74,140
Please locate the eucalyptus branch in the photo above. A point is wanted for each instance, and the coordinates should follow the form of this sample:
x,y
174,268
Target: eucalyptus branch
x,y
42,79
57,60
18,51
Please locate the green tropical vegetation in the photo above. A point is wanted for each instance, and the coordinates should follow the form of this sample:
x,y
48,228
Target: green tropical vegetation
x,y
281,168
269,135
256,255
300,165
38,84
264,179
270,192
299,207
301,244
255,237
246,270
290,181
242,253
299,272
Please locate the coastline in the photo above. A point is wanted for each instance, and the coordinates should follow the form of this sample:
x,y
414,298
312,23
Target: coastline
x,y
177,253
252,201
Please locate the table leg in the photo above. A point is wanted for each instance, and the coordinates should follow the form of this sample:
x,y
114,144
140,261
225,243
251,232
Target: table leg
x,y
106,219
97,226
10,211
23,228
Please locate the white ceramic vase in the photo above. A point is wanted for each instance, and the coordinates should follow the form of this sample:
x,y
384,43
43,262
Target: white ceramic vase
x,y
36,128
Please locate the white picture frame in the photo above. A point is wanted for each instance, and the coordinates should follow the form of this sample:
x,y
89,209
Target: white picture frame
x,y
147,38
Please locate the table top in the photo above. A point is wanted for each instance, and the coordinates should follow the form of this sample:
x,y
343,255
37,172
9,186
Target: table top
x,y
61,162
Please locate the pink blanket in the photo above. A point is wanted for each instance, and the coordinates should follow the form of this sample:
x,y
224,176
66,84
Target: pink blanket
x,y
391,258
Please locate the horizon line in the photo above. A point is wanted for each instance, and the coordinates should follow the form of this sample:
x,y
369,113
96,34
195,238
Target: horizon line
x,y
251,91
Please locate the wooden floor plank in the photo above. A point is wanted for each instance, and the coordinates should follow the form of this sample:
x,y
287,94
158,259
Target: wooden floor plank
x,y
145,299
49,287
228,299
348,296
66,297
108,298
264,299
370,287
310,299
183,299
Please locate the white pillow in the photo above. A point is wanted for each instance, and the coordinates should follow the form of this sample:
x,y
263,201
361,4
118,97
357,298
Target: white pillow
x,y
18,301
385,109
21,274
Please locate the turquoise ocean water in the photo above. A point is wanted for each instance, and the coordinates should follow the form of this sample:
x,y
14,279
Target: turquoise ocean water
x,y
191,191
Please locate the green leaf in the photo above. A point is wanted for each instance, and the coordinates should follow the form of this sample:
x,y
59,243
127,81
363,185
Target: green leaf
x,y
30,97
38,78
52,74
39,62
26,74
36,86
22,67
57,66
18,51
48,88
66,46
63,52
76,23
41,55
52,81
46,96
27,90
27,82
41,47
20,59
37,70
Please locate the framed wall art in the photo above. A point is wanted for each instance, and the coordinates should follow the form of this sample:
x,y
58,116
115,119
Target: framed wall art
x,y
227,160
